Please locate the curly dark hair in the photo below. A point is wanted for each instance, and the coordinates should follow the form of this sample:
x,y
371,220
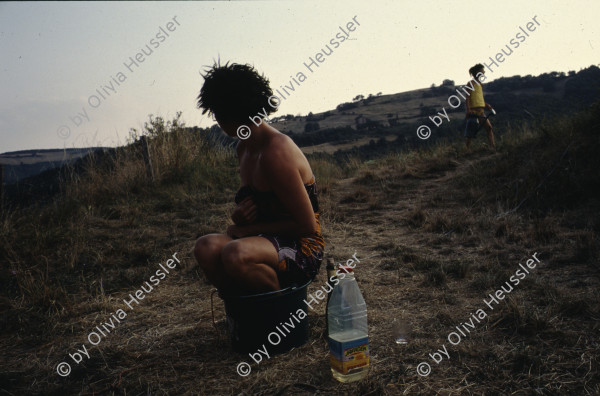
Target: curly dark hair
x,y
476,69
234,92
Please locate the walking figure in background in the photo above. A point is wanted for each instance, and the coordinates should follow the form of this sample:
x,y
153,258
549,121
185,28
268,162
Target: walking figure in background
x,y
476,107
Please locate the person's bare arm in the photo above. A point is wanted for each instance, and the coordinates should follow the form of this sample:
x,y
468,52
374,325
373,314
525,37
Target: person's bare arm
x,y
467,102
281,171
285,228
245,212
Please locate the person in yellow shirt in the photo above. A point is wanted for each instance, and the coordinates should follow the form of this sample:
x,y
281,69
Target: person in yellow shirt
x,y
476,106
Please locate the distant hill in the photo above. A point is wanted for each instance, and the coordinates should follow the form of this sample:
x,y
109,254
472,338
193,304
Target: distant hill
x,y
33,176
389,122
19,165
374,125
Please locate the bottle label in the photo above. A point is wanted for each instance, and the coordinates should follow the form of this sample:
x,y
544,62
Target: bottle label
x,y
348,356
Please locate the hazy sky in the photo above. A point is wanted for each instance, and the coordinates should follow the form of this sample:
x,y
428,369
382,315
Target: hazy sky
x,y
54,56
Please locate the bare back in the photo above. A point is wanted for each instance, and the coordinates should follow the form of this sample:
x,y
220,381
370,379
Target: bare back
x,y
252,168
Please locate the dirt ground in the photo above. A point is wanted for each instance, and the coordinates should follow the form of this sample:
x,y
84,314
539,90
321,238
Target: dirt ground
x,y
433,242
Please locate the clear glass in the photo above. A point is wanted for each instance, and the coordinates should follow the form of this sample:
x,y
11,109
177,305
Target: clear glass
x,y
401,331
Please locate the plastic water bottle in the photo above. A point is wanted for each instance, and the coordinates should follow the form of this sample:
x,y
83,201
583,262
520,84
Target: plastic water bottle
x,y
348,332
331,278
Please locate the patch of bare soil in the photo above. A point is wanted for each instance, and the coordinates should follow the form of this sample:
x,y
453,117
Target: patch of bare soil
x,y
431,251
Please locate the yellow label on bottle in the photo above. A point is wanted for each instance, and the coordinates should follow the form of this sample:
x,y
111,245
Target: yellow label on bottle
x,y
346,357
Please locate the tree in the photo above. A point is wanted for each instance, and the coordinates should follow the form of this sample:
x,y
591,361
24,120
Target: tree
x,y
346,106
549,86
311,127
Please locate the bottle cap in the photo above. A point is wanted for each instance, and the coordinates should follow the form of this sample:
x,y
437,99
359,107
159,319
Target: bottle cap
x,y
345,268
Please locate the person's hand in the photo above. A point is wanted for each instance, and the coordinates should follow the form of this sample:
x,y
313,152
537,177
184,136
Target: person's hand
x,y
488,106
245,212
234,231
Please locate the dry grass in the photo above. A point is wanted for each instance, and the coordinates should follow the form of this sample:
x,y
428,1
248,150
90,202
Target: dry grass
x,y
436,232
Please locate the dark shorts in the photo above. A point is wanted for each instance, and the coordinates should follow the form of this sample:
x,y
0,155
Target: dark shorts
x,y
299,259
471,127
472,124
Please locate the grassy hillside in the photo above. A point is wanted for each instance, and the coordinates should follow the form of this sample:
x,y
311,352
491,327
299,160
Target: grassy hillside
x,y
375,123
367,126
437,229
544,94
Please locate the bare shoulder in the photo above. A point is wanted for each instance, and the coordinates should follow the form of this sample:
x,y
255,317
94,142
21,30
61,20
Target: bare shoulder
x,y
280,154
280,145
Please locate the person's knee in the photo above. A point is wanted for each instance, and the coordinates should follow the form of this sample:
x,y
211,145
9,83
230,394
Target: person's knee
x,y
234,258
206,248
